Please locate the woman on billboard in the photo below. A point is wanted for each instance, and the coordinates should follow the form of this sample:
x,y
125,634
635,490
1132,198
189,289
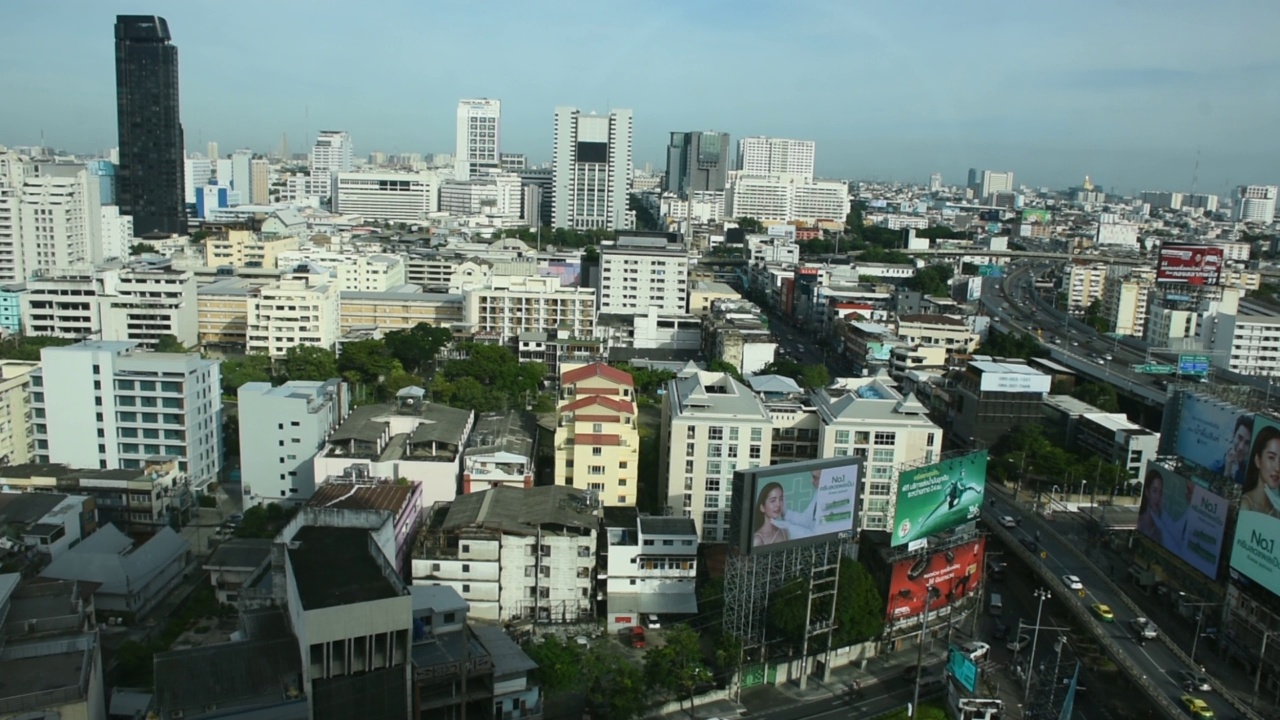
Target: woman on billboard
x,y
770,506
1262,479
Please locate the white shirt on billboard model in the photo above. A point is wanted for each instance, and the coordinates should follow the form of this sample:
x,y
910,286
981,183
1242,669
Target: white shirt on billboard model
x,y
801,524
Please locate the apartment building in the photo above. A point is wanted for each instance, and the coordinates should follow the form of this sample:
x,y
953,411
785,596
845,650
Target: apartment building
x,y
639,272
138,501
650,568
387,196
513,305
943,331
331,155
591,169
776,156
15,415
737,332
144,405
1253,347
514,554
59,216
1109,436
479,138
300,310
1125,298
711,426
1256,203
496,195
787,198
1085,282
597,445
141,301
223,313
281,430
352,271
389,311
245,248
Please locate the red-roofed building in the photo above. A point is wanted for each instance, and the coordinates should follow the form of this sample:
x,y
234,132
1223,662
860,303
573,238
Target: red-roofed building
x,y
597,437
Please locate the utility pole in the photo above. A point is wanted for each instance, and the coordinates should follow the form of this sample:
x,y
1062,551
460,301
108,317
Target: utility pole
x,y
1262,656
1043,594
930,593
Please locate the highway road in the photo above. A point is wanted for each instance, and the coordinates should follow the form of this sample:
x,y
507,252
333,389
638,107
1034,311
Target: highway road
x,y
877,699
1159,664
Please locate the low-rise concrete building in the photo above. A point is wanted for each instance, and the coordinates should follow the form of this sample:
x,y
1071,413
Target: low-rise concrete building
x,y
232,563
131,579
500,451
650,568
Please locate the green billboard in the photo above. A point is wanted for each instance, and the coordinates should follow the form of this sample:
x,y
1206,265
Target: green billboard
x,y
939,497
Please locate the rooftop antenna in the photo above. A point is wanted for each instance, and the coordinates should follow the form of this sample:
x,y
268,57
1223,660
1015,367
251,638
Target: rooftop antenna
x,y
1195,174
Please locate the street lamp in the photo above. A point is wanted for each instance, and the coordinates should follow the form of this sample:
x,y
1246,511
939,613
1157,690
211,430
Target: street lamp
x,y
1043,595
930,595
1080,495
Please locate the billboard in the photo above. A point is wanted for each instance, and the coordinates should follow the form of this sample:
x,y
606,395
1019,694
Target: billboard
x,y
954,571
1184,518
939,497
1190,264
785,505
1214,435
962,668
1035,215
1253,552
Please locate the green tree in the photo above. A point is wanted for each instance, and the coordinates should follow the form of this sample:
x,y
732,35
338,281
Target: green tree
x,y
170,344
815,377
399,380
677,666
367,362
308,362
750,225
853,221
1094,318
559,663
615,687
238,371
931,280
1100,395
723,366
647,380
1011,345
417,347
142,248
859,607
28,347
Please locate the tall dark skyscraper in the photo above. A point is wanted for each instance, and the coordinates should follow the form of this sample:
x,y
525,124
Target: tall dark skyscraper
x,y
149,181
697,161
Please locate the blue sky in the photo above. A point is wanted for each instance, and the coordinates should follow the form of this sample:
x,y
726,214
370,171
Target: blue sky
x,y
1125,91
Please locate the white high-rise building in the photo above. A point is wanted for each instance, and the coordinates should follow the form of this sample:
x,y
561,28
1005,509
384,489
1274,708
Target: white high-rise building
x,y
12,171
479,135
333,153
591,170
59,216
787,198
498,195
387,196
211,151
985,183
116,233
281,430
776,156
198,173
300,310
1085,282
638,273
101,404
1256,203
935,182
242,174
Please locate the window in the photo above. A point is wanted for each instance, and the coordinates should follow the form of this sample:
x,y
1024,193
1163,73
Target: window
x,y
842,452
881,471
882,455
842,437
715,450
466,567
690,449
688,466
733,433
862,438
930,440
757,434
597,451
449,618
597,427
713,467
622,464
715,432
711,518
691,433
466,588
712,501
878,488
595,469
754,452
886,438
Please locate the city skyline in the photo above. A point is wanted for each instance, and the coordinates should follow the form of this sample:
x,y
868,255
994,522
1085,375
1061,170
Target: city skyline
x,y
1112,93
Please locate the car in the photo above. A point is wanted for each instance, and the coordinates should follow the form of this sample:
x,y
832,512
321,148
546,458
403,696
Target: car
x,y
1022,642
1072,582
1108,356
1103,612
652,622
1099,361
1144,628
1194,681
236,518
637,637
975,650
1197,707
1008,521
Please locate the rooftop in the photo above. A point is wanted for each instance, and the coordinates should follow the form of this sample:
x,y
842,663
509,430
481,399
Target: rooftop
x,y
925,319
348,496
521,511
714,394
26,508
668,526
511,432
507,657
240,553
577,375
25,671
227,674
334,567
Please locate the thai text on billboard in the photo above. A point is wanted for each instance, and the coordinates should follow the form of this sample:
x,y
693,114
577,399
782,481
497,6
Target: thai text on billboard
x,y
1184,518
936,498
1253,552
955,572
1214,435
805,502
1190,264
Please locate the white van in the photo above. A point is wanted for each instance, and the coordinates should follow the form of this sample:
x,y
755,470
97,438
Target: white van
x,y
996,606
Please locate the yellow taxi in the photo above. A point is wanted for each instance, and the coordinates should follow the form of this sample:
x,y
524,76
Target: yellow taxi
x,y
1198,708
1104,612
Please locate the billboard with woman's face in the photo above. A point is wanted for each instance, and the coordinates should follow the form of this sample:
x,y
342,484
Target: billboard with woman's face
x,y
784,505
1254,550
1184,518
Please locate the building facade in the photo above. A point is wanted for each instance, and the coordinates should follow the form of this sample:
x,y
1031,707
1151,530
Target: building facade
x,y
300,310
281,430
387,196
508,306
151,188
477,150
597,446
15,415
144,405
776,156
591,169
332,154
697,162
638,273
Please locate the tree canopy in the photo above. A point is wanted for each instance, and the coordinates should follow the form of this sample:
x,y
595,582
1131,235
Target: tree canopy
x,y
677,666
1011,345
1027,450
811,377
170,344
931,280
859,607
28,347
308,362
417,347
490,378
238,371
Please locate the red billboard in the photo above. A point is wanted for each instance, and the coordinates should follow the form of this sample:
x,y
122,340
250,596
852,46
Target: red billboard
x,y
1189,264
955,572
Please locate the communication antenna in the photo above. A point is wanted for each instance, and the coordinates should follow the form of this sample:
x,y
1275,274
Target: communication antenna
x,y
1195,174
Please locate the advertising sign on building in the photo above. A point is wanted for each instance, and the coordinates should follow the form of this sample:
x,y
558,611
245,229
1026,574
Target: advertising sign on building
x,y
938,497
1184,518
1253,553
1190,264
955,572
1214,435
806,502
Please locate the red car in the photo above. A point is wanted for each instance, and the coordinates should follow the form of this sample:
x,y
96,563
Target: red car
x,y
637,637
